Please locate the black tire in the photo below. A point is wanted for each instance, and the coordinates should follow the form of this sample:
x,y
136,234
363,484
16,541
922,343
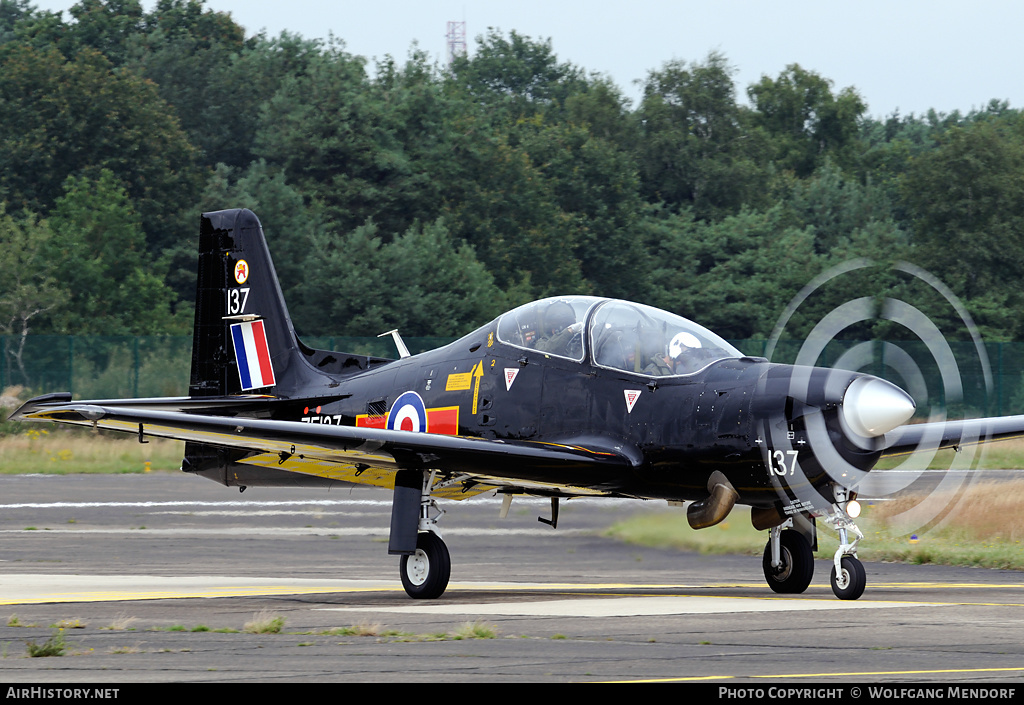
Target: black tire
x,y
854,579
425,573
797,569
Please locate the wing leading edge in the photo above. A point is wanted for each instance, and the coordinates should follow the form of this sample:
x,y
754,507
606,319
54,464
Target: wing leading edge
x,y
365,455
952,434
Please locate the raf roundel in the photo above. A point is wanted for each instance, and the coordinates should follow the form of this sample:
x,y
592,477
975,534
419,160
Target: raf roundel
x,y
241,271
408,413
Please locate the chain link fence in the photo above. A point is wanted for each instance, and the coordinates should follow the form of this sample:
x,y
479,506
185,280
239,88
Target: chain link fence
x,y
985,381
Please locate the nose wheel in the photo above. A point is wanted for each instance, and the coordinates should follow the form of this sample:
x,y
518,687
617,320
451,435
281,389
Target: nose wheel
x,y
848,575
849,581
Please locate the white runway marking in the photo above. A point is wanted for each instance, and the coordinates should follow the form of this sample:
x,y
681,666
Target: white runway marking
x,y
637,606
38,589
24,589
382,530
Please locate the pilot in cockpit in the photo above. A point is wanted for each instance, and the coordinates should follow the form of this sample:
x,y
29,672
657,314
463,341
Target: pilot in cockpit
x,y
677,359
685,349
559,329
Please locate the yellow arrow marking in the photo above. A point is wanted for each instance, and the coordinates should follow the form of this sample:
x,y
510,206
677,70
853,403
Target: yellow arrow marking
x,y
478,372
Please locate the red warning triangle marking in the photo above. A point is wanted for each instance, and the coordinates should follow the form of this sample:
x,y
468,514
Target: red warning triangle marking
x,y
631,396
510,377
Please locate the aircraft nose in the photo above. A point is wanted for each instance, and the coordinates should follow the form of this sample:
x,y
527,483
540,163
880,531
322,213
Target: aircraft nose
x,y
872,406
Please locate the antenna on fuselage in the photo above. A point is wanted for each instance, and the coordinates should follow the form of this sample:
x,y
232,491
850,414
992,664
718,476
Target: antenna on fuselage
x,y
399,343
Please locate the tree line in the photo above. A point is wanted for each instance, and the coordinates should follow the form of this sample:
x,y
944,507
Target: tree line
x,y
428,198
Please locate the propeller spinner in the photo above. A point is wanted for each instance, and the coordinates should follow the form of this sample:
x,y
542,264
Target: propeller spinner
x,y
872,407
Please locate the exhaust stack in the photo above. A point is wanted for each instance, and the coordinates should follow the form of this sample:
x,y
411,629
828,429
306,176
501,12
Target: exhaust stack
x,y
710,511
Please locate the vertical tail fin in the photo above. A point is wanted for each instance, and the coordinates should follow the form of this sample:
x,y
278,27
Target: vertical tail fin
x,y
243,340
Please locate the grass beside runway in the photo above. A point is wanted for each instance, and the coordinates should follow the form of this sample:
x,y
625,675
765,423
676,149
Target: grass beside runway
x,y
43,448
984,528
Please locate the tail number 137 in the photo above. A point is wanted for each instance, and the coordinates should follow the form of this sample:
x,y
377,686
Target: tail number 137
x,y
237,299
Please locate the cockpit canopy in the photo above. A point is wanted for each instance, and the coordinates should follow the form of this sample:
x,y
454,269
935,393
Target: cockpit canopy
x,y
620,335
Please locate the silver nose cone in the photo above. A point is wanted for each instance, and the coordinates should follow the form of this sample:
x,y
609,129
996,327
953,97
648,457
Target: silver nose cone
x,y
872,406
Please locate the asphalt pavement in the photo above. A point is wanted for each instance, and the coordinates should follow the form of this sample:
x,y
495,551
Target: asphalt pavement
x,y
152,578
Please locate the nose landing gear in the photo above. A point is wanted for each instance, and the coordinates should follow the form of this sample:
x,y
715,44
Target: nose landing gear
x,y
788,561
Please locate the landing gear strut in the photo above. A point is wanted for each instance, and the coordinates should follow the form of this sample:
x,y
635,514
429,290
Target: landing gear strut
x,y
425,571
848,576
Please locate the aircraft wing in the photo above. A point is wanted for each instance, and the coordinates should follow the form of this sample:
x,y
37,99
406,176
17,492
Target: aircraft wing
x,y
951,434
366,455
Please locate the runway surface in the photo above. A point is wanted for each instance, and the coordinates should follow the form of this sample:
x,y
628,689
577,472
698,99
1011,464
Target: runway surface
x,y
137,568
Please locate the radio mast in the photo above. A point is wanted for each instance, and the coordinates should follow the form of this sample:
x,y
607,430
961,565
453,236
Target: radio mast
x,y
456,39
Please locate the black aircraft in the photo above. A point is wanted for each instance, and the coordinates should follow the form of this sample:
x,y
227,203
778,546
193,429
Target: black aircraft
x,y
565,397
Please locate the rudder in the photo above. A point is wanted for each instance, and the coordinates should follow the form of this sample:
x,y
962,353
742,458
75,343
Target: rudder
x,y
243,339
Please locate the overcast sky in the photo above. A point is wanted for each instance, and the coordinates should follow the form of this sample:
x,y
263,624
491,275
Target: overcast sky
x,y
906,55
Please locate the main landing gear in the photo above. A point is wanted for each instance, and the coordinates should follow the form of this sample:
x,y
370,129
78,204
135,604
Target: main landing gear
x,y
788,561
425,573
426,570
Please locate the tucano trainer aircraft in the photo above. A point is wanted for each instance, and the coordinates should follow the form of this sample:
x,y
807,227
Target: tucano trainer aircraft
x,y
565,397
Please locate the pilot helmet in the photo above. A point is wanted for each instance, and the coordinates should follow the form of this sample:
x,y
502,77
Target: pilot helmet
x,y
682,342
558,316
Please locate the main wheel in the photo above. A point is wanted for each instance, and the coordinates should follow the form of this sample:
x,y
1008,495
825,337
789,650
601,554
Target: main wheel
x,y
797,569
850,582
425,573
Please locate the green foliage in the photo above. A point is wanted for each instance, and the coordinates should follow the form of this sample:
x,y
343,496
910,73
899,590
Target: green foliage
x,y
78,117
422,282
806,122
56,645
106,26
335,142
12,14
515,77
99,252
407,195
693,149
28,287
966,201
189,52
734,275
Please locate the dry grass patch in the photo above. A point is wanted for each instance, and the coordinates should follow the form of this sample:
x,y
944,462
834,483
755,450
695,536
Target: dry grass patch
x,y
476,630
985,528
986,510
63,451
264,622
361,629
120,623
